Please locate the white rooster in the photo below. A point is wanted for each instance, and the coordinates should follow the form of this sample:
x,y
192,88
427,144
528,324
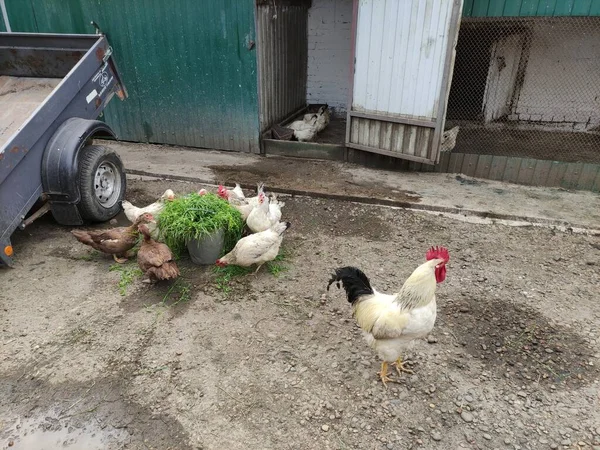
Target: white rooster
x,y
391,322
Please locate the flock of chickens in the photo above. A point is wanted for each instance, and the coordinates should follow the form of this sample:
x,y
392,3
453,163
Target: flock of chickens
x,y
306,129
389,322
262,215
263,218
154,258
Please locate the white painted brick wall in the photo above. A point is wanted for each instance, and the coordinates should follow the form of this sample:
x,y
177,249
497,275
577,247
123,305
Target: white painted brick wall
x,y
562,79
329,35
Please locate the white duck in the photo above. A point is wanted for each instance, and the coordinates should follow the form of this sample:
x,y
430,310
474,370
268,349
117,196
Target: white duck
x,y
260,218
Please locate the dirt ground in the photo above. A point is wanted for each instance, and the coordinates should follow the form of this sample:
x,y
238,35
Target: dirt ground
x,y
277,362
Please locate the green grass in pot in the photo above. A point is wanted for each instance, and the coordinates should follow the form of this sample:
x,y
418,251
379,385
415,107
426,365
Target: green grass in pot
x,y
196,216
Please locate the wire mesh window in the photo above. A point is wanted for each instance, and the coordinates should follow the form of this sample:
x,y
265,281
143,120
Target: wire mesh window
x,y
528,87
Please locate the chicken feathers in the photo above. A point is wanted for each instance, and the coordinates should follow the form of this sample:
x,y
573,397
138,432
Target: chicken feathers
x,y
155,259
257,248
391,322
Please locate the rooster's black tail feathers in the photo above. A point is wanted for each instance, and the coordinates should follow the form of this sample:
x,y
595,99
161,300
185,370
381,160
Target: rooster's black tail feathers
x,y
355,282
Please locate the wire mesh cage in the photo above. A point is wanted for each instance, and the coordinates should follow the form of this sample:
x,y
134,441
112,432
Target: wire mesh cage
x,y
528,87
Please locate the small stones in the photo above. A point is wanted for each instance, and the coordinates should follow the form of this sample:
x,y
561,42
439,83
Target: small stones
x,y
436,436
467,416
325,428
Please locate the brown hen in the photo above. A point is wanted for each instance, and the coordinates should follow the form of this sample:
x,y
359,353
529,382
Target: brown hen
x,y
155,258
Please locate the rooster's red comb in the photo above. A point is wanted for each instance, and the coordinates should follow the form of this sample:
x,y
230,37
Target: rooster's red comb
x,y
437,253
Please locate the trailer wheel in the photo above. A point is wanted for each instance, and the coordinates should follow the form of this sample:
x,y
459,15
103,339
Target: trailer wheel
x,y
102,183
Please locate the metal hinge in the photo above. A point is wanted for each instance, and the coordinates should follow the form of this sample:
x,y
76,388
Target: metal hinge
x,y
109,52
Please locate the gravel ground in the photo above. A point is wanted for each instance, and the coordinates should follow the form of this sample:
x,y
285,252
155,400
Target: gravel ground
x,y
277,362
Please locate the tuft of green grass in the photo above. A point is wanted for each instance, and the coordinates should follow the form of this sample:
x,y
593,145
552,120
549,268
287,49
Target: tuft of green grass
x,y
89,256
179,292
225,274
278,265
128,274
195,216
276,269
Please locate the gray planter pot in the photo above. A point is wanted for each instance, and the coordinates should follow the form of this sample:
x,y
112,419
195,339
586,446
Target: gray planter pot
x,y
205,251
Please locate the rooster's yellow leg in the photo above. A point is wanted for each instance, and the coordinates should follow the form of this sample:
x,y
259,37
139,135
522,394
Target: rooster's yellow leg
x,y
383,375
400,367
120,260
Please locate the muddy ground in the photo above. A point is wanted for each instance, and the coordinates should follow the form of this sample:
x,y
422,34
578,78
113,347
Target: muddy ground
x,y
277,362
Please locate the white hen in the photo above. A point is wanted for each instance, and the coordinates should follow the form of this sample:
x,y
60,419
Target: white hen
x,y
256,248
323,118
242,206
133,212
261,218
275,207
308,117
305,131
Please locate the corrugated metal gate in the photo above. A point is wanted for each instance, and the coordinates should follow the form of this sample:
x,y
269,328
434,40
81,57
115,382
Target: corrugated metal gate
x,y
189,66
403,58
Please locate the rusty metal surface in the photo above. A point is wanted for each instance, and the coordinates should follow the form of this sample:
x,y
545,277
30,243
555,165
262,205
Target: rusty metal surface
x,y
282,60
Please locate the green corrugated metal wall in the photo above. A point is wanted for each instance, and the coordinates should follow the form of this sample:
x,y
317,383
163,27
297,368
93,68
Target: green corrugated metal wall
x,y
530,8
190,76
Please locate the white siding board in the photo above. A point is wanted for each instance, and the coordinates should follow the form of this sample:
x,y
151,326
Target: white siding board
x,y
400,55
400,48
387,59
438,54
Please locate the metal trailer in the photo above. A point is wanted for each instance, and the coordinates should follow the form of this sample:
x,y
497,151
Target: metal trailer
x,y
53,87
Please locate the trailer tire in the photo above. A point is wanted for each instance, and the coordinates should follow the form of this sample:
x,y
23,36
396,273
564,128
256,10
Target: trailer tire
x,y
102,183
